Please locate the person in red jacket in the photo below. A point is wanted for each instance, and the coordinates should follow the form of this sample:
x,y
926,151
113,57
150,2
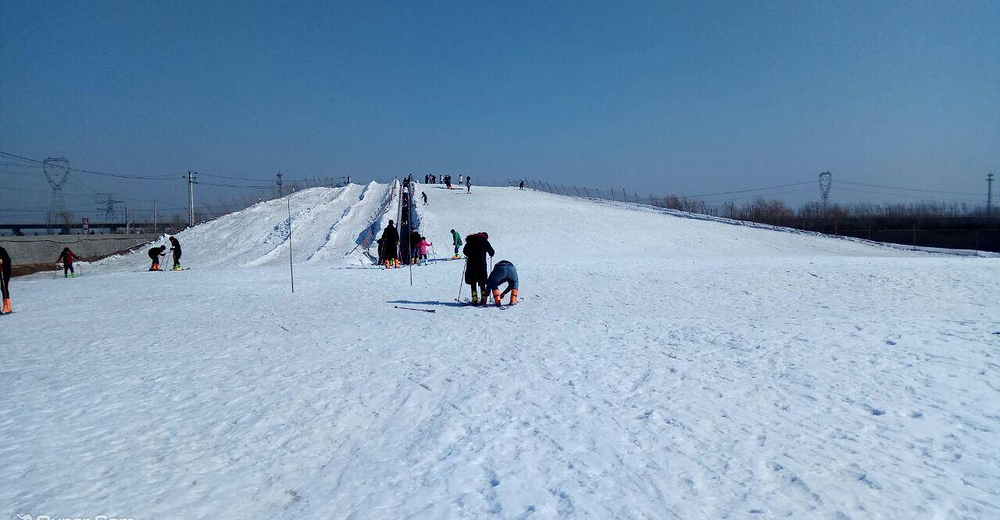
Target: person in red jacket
x,y
66,258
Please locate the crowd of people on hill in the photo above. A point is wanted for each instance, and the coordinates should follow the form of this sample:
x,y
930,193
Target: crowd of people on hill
x,y
482,282
465,180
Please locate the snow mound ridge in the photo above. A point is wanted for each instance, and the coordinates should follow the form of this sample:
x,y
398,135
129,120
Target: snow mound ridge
x,y
324,226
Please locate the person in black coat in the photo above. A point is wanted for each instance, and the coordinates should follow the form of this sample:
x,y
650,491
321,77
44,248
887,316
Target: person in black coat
x,y
476,248
154,254
390,242
5,272
175,248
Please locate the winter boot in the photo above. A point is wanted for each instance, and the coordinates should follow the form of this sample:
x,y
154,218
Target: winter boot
x,y
513,296
6,306
475,296
72,275
496,296
65,275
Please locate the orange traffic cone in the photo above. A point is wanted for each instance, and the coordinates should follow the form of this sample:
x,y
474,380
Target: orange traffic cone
x,y
6,306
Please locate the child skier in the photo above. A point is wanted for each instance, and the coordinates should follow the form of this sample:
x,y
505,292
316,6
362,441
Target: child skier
x,y
154,254
503,272
477,246
456,240
422,246
66,259
5,269
175,246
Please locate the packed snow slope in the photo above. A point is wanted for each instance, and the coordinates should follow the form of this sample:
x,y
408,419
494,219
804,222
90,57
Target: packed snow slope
x,y
325,224
659,366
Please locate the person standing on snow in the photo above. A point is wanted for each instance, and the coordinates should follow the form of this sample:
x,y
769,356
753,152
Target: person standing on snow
x,y
468,184
476,248
456,240
414,251
154,254
460,179
422,246
66,259
521,186
5,270
175,247
390,242
424,195
503,272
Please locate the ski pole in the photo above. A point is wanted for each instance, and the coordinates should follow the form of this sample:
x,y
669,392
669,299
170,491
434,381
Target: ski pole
x,y
462,281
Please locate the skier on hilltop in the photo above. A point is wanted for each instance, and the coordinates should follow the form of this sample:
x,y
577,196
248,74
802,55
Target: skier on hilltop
x,y
503,272
175,248
155,253
66,258
477,246
5,270
468,184
456,240
390,241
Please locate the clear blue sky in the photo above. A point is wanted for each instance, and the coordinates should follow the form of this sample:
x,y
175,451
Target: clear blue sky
x,y
683,97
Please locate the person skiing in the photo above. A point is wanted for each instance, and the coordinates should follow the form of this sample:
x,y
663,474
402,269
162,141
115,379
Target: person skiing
x,y
468,184
477,246
447,181
521,186
422,246
390,241
155,253
424,195
456,240
175,247
5,270
503,272
66,259
427,179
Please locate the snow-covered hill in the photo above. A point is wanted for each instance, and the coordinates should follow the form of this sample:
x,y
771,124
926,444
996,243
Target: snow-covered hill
x,y
660,366
326,224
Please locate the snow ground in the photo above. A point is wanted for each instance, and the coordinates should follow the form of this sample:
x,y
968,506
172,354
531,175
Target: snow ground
x,y
659,367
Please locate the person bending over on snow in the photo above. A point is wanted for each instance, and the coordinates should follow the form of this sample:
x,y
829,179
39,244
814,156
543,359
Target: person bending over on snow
x,y
422,246
456,240
66,259
154,254
390,241
5,269
476,248
175,247
503,272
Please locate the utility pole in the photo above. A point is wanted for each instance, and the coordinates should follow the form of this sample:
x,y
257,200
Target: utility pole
x,y
154,216
989,194
190,178
126,220
280,194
